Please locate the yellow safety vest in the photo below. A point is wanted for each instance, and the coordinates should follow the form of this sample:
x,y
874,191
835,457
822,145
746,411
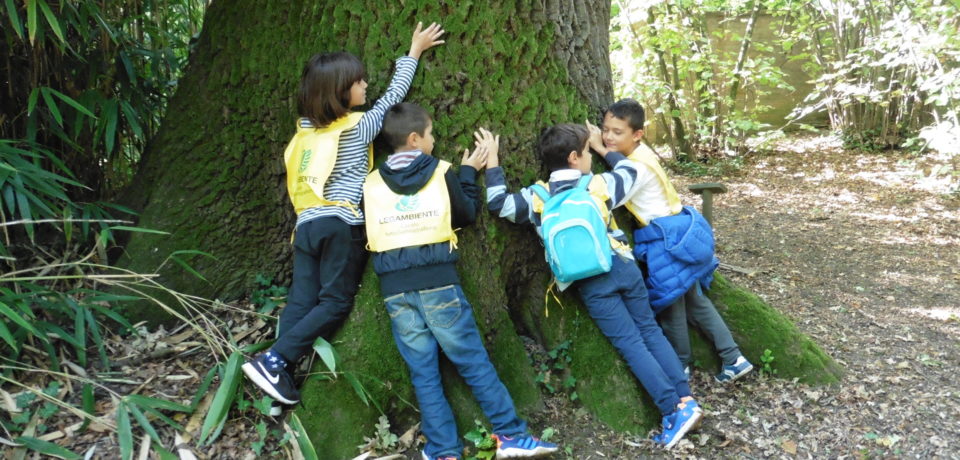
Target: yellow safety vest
x,y
310,157
397,221
647,158
598,191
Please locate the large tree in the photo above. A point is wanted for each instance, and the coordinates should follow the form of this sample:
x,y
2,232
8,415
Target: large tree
x,y
213,178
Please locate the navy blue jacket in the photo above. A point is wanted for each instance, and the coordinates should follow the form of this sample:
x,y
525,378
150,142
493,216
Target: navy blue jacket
x,y
431,265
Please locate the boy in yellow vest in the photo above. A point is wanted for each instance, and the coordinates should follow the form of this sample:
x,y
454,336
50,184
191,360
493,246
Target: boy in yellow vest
x,y
676,245
616,300
413,202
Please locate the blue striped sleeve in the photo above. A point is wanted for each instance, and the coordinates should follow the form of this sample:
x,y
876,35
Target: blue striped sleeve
x,y
619,181
372,120
514,207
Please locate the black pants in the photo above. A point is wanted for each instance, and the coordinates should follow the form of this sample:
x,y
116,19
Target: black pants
x,y
328,260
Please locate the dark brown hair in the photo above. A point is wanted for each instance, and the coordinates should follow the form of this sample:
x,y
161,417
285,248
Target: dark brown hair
x,y
401,120
628,110
325,86
558,141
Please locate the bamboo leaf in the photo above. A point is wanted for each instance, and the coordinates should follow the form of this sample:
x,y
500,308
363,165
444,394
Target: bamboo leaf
x,y
32,19
303,441
202,389
7,337
73,103
124,432
52,105
144,423
358,387
46,448
131,117
327,354
223,399
52,20
139,230
89,403
164,453
187,267
32,100
16,318
156,403
14,18
111,115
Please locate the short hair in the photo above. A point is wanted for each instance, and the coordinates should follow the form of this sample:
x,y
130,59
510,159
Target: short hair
x,y
401,120
629,110
324,94
556,143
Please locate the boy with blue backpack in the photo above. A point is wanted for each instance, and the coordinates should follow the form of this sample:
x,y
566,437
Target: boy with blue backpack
x,y
675,243
596,260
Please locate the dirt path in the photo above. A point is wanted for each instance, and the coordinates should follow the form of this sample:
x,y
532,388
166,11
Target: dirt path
x,y
863,253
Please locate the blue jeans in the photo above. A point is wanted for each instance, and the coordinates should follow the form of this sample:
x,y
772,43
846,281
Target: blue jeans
x,y
617,301
426,321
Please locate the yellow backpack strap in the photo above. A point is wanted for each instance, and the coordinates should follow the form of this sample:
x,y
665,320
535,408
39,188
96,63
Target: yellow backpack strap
x,y
648,159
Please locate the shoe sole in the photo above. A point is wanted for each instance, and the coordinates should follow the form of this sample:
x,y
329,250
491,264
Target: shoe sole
x,y
257,378
737,375
684,429
523,453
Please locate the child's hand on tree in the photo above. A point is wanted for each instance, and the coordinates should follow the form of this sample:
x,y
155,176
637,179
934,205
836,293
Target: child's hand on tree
x,y
492,144
424,39
477,159
596,139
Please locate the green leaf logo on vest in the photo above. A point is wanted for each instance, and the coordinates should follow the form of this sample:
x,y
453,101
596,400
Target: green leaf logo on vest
x,y
408,203
305,160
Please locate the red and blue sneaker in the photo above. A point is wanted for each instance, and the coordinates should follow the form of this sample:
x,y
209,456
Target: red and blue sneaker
x,y
523,446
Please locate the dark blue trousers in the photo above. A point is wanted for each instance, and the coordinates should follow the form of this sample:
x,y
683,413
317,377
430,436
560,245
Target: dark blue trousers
x,y
618,302
328,260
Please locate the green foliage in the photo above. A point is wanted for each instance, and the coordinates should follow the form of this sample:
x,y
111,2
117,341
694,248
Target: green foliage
x,y
887,73
766,363
703,97
554,372
267,296
383,440
483,441
92,79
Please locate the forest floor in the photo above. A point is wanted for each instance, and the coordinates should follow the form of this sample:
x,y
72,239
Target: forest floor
x,y
861,250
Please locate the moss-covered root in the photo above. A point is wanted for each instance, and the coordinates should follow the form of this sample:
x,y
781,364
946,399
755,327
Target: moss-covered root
x,y
757,327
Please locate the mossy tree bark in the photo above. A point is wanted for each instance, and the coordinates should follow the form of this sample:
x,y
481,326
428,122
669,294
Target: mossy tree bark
x,y
214,179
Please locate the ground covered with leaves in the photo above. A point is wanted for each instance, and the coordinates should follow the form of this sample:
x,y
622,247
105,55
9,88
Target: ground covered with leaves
x,y
861,250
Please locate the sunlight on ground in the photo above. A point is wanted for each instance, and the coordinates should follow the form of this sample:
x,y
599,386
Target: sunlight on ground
x,y
942,314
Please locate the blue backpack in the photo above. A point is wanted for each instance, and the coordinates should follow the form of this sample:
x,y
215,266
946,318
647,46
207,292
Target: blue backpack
x,y
574,233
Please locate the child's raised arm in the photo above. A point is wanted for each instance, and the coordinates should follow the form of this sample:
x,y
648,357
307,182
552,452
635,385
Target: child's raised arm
x,y
422,40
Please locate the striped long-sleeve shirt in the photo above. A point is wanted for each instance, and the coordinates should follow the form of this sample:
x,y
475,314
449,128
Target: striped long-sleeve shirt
x,y
518,207
346,181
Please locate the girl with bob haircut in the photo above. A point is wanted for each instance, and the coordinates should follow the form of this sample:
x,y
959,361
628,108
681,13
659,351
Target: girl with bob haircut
x,y
327,161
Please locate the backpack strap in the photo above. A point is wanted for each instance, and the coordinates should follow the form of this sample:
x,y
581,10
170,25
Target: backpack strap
x,y
584,181
540,191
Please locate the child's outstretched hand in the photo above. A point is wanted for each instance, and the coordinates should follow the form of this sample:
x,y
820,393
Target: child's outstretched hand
x,y
424,39
476,159
596,139
491,143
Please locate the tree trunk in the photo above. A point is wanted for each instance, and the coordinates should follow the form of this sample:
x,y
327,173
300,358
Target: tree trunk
x,y
214,179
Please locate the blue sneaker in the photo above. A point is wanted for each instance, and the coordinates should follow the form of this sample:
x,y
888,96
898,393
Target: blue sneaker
x,y
523,446
731,372
678,424
427,457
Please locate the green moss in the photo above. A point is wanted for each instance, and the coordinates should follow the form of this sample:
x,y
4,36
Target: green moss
x,y
756,327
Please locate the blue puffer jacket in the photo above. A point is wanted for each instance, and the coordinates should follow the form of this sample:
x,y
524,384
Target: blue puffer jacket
x,y
678,251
